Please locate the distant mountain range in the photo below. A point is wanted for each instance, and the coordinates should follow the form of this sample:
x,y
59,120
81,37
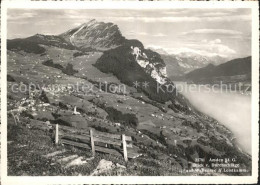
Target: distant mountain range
x,y
237,67
182,63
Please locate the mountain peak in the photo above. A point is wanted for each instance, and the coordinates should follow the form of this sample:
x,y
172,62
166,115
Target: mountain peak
x,y
89,23
93,20
98,35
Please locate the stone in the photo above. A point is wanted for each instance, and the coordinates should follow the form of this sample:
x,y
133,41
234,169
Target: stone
x,y
53,154
103,166
120,166
76,162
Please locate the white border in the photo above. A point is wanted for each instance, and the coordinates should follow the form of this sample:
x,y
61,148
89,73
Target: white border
x,y
134,179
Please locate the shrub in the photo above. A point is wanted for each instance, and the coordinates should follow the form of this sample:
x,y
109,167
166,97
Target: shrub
x,y
117,116
69,70
51,64
10,78
43,97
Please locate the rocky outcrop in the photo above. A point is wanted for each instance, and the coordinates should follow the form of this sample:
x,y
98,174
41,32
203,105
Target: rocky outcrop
x,y
132,63
156,69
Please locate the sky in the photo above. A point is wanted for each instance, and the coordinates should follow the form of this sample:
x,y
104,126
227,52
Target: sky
x,y
209,32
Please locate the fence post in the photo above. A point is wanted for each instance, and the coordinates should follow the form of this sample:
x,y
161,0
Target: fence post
x,y
92,142
124,147
57,134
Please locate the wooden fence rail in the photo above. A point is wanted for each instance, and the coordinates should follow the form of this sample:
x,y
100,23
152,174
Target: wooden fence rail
x,y
96,141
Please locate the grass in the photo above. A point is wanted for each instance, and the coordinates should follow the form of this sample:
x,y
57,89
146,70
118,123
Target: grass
x,y
25,154
27,147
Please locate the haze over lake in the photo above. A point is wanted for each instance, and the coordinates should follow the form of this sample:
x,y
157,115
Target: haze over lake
x,y
230,108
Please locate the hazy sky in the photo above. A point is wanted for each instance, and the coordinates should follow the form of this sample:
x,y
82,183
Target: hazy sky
x,y
226,32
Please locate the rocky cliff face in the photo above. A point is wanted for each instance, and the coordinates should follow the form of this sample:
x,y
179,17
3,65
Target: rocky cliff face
x,y
98,35
131,63
155,68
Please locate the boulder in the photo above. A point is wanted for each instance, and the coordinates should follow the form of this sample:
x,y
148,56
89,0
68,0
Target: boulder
x,y
103,166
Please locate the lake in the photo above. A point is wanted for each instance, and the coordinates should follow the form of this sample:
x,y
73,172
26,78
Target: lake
x,y
231,109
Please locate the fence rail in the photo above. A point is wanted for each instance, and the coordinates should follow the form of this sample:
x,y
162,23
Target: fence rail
x,y
96,141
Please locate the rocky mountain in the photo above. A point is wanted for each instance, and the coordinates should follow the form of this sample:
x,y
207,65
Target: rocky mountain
x,y
98,35
131,62
236,67
89,36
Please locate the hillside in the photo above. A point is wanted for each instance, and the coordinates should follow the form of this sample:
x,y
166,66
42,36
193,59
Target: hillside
x,y
33,44
81,89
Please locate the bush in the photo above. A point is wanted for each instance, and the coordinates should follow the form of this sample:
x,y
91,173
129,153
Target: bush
x,y
51,64
99,128
77,54
26,115
117,116
10,78
63,106
44,98
69,70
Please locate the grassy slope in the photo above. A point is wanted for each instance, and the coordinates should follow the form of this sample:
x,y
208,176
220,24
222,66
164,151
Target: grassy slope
x,y
26,149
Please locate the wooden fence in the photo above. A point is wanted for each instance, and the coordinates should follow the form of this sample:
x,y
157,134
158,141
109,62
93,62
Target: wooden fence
x,y
96,141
